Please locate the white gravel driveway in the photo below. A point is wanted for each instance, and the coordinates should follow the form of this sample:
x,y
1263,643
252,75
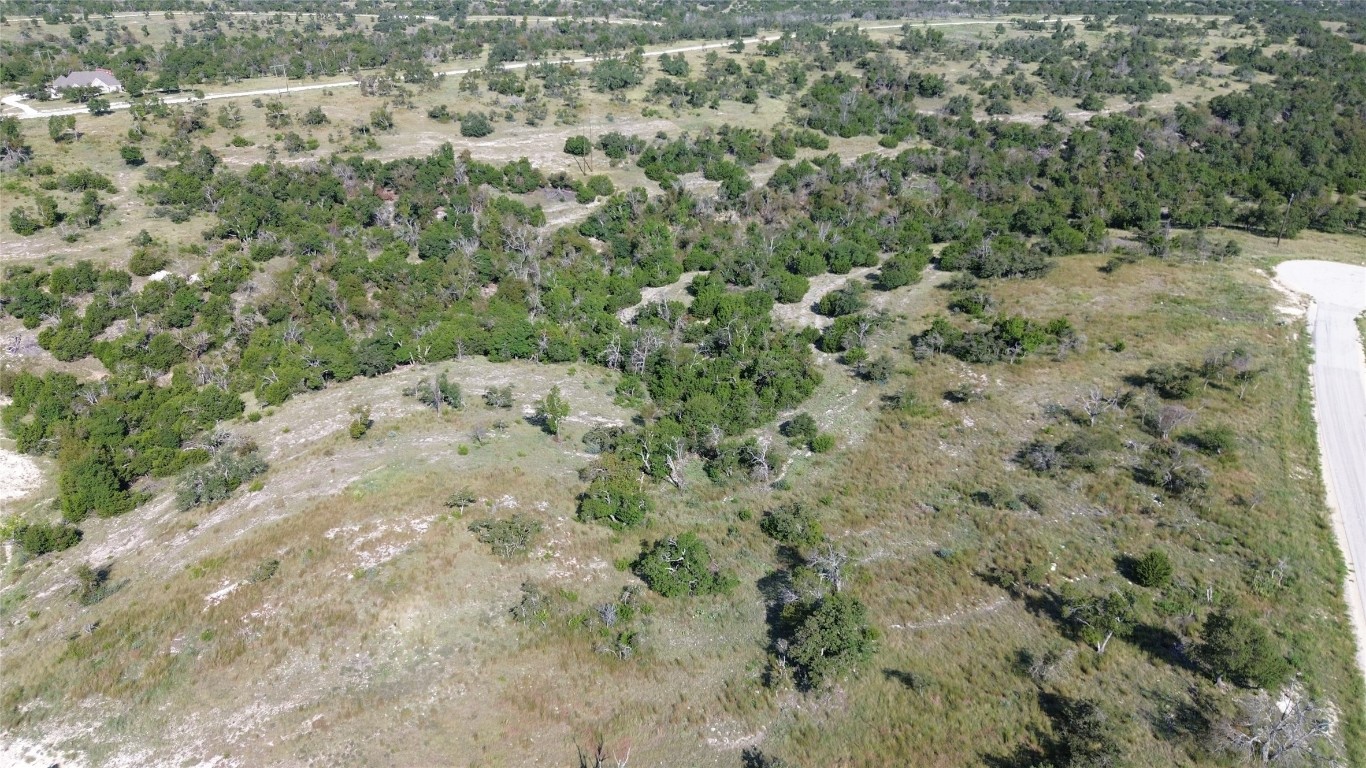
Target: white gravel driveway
x,y
1339,371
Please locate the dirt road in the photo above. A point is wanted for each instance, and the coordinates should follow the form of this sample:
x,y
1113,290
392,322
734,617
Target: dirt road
x,y
28,113
1339,371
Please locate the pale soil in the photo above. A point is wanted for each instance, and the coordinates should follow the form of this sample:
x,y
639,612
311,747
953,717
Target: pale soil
x,y
675,291
369,509
803,313
20,475
910,301
19,752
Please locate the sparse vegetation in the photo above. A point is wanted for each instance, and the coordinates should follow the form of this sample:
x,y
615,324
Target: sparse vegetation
x,y
1053,501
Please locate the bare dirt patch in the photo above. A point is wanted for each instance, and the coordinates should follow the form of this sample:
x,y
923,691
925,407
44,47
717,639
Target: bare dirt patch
x,y
675,291
20,475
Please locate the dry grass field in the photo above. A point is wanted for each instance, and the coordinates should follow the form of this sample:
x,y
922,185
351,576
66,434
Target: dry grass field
x,y
382,598
338,612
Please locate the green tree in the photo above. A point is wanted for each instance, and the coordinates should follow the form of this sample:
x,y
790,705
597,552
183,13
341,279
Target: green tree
x,y
92,584
13,151
461,498
507,536
1153,570
832,639
381,119
1098,619
902,269
615,500
215,481
42,538
89,482
132,155
1235,646
475,125
800,428
845,301
792,524
582,151
681,565
439,391
62,128
618,73
1087,736
99,106
674,66
552,410
360,422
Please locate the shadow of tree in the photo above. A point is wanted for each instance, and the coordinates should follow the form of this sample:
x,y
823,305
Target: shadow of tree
x,y
1162,644
1176,717
911,680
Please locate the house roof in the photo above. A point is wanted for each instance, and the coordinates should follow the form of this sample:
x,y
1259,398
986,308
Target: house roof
x,y
87,78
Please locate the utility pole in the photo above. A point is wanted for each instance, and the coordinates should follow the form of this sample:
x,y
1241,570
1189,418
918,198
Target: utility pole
x,y
1285,220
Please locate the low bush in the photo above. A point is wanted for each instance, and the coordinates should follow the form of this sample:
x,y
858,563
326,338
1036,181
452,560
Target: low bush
x,y
42,538
507,536
792,524
216,480
1153,570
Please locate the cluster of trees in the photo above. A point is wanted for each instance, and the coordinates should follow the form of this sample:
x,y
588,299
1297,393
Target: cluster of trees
x,y
1233,645
42,538
419,260
881,101
819,632
1289,152
1007,338
353,304
554,301
224,48
47,211
723,78
215,481
1125,64
106,435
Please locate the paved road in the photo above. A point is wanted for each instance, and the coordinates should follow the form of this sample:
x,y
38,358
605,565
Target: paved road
x,y
28,113
1339,371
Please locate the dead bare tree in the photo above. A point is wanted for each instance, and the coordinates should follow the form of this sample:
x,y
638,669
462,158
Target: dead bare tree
x,y
1245,372
1095,403
645,454
599,756
829,562
675,461
1291,731
611,356
1171,417
759,465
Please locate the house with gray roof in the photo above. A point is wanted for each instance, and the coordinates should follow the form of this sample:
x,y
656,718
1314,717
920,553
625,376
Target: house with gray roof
x,y
92,78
